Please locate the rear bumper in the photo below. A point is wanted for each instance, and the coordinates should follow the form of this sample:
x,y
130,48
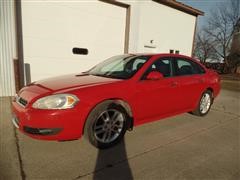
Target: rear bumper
x,y
58,125
216,91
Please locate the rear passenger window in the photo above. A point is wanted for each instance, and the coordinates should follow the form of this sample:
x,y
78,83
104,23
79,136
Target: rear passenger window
x,y
186,67
198,69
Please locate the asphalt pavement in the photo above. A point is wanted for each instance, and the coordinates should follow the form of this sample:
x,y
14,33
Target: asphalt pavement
x,y
180,147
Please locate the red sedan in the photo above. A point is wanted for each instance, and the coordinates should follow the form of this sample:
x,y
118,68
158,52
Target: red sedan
x,y
114,96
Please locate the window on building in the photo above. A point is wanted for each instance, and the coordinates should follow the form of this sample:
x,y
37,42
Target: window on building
x,y
80,51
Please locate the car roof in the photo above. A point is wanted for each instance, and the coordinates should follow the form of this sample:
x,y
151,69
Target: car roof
x,y
161,54
169,55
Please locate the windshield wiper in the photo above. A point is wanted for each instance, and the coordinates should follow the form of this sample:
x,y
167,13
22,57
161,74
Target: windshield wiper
x,y
101,75
83,74
107,76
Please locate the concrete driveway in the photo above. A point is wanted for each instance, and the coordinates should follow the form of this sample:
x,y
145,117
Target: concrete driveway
x,y
182,147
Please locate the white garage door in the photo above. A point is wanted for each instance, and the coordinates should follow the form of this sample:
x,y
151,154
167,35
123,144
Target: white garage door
x,y
51,29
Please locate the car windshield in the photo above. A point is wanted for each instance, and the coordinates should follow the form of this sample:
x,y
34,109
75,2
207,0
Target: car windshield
x,y
120,67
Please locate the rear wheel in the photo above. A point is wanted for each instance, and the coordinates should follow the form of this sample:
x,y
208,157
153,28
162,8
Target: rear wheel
x,y
106,125
204,104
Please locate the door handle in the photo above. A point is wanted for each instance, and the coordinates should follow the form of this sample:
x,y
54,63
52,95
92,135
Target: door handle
x,y
201,80
174,84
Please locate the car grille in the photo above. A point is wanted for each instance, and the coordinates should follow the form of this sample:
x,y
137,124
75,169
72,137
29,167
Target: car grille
x,y
22,102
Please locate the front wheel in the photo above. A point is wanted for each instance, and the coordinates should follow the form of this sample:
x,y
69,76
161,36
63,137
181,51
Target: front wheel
x,y
204,104
106,125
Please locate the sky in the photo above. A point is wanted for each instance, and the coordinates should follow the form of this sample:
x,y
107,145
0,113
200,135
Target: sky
x,y
206,6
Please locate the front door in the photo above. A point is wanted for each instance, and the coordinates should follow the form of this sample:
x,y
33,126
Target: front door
x,y
156,98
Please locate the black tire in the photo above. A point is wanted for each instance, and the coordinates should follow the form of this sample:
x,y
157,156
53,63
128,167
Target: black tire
x,y
93,118
198,111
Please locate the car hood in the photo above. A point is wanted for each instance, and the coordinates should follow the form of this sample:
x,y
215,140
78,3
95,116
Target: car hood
x,y
62,83
73,81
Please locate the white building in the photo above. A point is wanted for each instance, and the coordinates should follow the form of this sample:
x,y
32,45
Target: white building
x,y
41,34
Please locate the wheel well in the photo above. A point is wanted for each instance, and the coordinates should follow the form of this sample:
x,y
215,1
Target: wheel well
x,y
128,110
121,103
211,89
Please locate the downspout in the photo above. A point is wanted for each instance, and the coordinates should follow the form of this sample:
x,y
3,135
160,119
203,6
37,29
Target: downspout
x,y
194,36
19,43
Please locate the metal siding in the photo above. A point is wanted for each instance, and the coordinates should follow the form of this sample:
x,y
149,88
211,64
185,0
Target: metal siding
x,y
7,48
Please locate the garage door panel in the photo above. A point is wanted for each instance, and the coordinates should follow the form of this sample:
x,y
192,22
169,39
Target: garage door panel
x,y
38,65
52,29
97,7
43,29
45,48
61,9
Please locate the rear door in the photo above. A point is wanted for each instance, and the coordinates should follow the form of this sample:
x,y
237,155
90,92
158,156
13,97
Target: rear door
x,y
190,80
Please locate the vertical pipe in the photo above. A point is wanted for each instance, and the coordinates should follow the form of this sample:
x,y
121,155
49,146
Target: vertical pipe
x,y
18,9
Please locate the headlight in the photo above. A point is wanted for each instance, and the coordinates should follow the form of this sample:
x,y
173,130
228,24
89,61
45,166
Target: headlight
x,y
58,101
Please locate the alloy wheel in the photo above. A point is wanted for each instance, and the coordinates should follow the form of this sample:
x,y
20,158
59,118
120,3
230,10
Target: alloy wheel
x,y
109,125
205,103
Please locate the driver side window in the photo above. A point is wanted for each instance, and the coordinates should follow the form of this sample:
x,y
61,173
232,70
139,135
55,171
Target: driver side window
x,y
162,65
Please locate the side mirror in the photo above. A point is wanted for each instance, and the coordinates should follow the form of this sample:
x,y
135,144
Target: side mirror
x,y
154,75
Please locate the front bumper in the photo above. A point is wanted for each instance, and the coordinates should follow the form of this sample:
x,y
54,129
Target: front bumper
x,y
58,125
15,121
